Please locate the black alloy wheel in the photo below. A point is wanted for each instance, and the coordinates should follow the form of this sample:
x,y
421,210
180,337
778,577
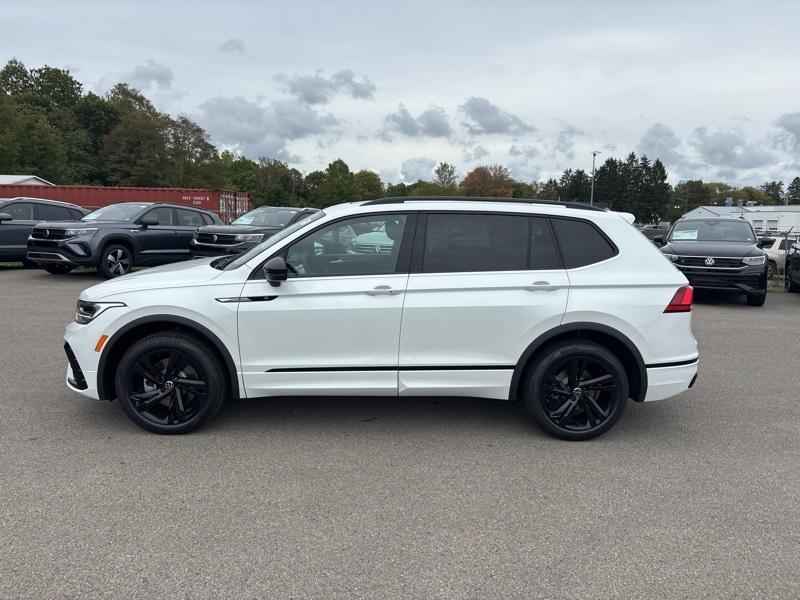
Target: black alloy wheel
x,y
116,260
577,391
170,383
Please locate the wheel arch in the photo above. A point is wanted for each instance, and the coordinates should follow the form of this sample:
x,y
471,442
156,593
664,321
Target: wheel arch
x,y
614,340
139,328
118,238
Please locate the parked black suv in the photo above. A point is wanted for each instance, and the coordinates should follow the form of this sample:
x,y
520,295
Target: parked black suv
x,y
247,231
19,215
118,237
791,270
719,254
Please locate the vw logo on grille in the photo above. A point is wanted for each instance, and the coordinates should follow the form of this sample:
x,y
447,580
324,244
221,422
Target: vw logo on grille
x,y
377,249
709,262
46,233
214,237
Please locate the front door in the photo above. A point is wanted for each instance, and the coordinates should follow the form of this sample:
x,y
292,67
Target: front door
x,y
333,328
482,288
158,243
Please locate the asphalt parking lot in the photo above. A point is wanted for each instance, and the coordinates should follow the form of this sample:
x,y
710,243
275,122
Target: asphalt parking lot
x,y
698,496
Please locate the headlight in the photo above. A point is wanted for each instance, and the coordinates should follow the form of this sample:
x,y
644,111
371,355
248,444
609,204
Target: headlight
x,y
755,260
672,257
87,311
249,237
90,231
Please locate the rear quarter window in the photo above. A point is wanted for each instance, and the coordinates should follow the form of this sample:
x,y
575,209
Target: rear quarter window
x,y
581,243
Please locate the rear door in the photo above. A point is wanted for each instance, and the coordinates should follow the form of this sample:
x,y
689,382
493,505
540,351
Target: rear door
x,y
187,222
14,234
483,286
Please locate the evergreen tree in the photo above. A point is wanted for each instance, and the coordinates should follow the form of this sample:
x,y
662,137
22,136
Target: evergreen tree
x,y
793,191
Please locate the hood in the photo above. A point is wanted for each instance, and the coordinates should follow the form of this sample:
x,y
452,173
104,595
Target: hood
x,y
234,229
697,248
68,224
173,275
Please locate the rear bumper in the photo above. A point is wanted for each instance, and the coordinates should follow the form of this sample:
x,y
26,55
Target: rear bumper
x,y
667,381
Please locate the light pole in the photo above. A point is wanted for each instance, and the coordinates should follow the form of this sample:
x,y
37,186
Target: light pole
x,y
591,197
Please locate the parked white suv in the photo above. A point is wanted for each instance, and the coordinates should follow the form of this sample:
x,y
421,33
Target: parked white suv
x,y
569,309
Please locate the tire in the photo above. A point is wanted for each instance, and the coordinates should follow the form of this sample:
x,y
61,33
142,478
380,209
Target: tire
x,y
57,269
788,284
171,383
594,408
756,299
772,269
115,260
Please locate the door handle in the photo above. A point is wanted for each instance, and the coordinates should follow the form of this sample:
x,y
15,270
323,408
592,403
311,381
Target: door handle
x,y
385,290
541,286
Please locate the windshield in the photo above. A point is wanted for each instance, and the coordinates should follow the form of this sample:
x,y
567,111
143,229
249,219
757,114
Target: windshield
x,y
228,263
115,212
268,217
712,230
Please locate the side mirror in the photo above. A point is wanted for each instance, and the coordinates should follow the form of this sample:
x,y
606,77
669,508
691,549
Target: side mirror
x,y
5,217
659,239
275,271
148,222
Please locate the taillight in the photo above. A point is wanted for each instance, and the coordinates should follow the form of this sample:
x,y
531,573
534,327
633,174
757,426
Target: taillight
x,y
681,301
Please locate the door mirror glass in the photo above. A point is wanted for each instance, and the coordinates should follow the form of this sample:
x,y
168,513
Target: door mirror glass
x,y
149,221
659,240
275,271
4,217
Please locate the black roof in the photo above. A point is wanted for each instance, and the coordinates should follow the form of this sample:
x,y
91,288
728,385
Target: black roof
x,y
400,200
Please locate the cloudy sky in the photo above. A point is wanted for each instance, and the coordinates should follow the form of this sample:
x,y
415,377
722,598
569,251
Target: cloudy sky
x,y
712,88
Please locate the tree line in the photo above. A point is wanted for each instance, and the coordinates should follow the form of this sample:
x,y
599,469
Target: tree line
x,y
51,127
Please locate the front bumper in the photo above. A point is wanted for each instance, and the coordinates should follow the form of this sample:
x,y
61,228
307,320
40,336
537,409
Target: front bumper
x,y
75,251
747,280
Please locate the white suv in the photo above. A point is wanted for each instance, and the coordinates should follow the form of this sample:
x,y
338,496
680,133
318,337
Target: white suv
x,y
566,308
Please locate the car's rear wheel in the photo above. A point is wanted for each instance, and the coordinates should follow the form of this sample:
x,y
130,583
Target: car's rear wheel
x,y
115,260
756,299
577,391
170,383
57,269
789,285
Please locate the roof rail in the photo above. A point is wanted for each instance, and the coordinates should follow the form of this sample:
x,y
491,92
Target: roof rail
x,y
402,199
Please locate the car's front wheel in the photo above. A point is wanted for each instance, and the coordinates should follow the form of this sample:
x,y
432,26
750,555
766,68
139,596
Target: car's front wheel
x,y
577,391
171,383
115,260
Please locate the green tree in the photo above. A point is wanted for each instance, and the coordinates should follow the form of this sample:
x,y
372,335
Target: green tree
x,y
15,79
339,186
10,129
135,152
490,181
192,160
397,190
774,191
369,185
42,151
446,176
793,191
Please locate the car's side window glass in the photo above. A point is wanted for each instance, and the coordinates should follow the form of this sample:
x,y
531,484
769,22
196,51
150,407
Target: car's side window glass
x,y
76,214
162,214
581,243
19,211
189,218
456,242
48,212
543,251
206,219
368,245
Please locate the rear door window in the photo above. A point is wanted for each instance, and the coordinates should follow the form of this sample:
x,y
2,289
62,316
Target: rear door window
x,y
543,251
189,218
458,242
581,243
162,214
